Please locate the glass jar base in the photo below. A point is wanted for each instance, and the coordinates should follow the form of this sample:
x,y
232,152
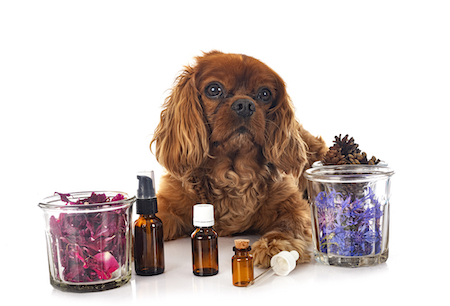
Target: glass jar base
x,y
351,261
90,287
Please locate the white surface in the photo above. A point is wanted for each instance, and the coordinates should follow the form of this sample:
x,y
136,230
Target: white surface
x,y
82,82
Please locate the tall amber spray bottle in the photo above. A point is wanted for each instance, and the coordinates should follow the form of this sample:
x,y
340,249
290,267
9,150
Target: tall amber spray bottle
x,y
148,229
205,255
242,263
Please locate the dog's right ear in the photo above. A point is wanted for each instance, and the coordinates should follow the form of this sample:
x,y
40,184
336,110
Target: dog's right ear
x,y
181,136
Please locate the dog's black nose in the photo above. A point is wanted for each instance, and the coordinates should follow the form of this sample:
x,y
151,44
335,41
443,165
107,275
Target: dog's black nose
x,y
243,107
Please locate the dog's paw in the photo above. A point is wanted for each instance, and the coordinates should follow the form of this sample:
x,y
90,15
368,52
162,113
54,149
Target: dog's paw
x,y
273,243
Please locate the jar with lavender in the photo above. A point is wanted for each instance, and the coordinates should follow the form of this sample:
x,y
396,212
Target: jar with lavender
x,y
350,214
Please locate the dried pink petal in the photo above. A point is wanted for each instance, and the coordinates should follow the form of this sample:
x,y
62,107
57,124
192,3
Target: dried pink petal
x,y
107,262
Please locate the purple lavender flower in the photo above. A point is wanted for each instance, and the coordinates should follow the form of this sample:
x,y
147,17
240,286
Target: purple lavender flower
x,y
346,227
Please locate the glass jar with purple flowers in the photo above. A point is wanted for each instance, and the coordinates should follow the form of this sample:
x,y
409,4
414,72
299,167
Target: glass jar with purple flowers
x,y
350,214
88,240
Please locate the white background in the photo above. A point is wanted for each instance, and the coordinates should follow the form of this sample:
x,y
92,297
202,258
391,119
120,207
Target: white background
x,y
81,89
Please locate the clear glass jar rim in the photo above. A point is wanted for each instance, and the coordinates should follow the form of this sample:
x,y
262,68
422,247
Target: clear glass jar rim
x,y
348,173
55,202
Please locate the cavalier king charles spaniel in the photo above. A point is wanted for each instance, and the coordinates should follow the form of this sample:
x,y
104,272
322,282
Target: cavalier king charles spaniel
x,y
228,136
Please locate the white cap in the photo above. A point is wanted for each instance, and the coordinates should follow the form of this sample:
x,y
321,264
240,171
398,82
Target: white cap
x,y
203,215
284,262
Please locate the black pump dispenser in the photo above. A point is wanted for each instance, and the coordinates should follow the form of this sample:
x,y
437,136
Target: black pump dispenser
x,y
146,203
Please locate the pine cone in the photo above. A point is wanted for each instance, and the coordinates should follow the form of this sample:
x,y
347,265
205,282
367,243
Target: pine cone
x,y
373,161
348,146
334,157
346,151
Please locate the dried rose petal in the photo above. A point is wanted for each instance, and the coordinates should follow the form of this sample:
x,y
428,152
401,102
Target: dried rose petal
x,y
107,262
118,197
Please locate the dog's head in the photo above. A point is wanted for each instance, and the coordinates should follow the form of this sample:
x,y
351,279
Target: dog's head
x,y
225,103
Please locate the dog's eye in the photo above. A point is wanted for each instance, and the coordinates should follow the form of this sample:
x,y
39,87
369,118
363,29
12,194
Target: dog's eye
x,y
214,90
264,95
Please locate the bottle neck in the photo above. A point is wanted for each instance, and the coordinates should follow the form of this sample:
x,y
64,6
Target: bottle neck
x,y
147,216
241,252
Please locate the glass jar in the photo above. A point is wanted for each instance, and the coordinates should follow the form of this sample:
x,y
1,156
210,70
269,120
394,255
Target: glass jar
x,y
350,214
88,245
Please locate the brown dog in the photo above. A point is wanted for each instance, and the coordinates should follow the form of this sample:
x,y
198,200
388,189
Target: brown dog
x,y
228,136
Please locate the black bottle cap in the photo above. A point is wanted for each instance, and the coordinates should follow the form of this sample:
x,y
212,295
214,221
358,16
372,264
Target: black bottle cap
x,y
146,206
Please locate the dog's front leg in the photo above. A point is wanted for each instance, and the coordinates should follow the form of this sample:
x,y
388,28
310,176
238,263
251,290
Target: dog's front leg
x,y
174,208
289,229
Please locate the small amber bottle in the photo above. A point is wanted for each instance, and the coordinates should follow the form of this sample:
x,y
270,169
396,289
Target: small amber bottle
x,y
205,255
148,230
242,263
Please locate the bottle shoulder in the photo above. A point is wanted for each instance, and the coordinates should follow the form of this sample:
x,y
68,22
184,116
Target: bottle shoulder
x,y
204,232
148,221
247,256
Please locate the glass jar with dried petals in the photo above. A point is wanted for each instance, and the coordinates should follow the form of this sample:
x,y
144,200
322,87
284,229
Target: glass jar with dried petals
x,y
88,240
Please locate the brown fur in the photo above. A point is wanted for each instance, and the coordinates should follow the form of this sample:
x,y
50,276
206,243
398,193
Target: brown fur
x,y
250,169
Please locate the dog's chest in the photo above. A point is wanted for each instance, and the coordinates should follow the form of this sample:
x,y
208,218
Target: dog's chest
x,y
236,198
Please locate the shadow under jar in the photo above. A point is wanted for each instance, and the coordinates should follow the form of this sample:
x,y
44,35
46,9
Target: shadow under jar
x,y
88,244
350,214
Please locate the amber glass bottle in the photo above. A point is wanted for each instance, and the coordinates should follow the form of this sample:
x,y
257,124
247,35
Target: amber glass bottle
x,y
149,249
148,230
205,253
242,263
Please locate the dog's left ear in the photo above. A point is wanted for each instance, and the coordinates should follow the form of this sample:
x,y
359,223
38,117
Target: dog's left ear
x,y
285,147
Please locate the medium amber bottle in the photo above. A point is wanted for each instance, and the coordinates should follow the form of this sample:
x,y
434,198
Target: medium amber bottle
x,y
205,255
242,263
148,230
